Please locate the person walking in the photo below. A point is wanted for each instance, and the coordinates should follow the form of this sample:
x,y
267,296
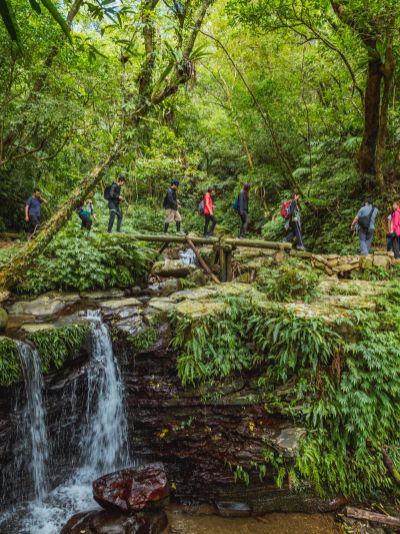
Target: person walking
x,y
209,213
293,222
171,206
114,203
395,229
243,209
86,215
364,225
33,211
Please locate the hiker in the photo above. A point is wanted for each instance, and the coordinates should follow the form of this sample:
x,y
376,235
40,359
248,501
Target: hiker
x,y
113,195
242,203
364,225
393,235
33,212
291,213
171,206
86,215
209,212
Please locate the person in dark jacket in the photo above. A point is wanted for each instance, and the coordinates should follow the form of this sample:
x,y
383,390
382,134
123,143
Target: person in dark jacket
x,y
243,210
114,203
171,206
33,212
293,222
86,214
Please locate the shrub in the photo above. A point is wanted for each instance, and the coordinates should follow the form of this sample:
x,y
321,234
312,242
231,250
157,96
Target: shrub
x,y
10,367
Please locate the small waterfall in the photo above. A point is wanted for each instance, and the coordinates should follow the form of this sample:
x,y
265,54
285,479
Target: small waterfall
x,y
188,257
34,416
104,442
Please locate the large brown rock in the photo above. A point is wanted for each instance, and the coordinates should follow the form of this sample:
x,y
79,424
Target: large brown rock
x,y
132,490
106,522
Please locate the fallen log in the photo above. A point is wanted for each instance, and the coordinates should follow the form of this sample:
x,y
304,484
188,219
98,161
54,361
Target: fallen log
x,y
204,265
366,515
171,238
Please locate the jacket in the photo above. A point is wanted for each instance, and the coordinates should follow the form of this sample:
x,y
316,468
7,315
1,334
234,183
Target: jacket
x,y
208,204
396,222
170,201
114,194
243,203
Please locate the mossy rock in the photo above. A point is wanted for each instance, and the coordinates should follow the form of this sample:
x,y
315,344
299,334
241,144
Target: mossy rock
x,y
3,319
10,367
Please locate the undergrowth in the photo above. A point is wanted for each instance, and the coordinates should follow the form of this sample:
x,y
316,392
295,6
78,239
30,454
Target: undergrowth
x,y
10,367
58,345
292,280
344,379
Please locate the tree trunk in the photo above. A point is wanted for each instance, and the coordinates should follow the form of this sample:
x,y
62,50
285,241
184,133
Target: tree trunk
x,y
12,273
388,75
367,153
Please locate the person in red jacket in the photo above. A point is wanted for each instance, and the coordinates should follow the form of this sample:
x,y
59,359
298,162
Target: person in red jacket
x,y
209,212
395,229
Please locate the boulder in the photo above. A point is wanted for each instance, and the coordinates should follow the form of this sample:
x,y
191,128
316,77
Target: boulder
x,y
172,268
31,328
3,319
287,440
383,261
45,305
106,522
132,490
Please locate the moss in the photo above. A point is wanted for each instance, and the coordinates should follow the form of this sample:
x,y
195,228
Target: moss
x,y
59,345
10,367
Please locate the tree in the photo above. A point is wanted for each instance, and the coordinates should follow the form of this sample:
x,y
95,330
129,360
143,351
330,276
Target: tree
x,y
157,80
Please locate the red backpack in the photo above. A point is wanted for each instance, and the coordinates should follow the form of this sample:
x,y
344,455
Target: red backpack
x,y
284,209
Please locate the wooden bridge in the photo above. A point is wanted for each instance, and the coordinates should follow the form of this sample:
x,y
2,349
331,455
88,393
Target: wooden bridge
x,y
223,248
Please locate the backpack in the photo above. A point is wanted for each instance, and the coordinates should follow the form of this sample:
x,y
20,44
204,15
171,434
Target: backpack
x,y
165,202
200,208
235,204
284,210
365,221
107,192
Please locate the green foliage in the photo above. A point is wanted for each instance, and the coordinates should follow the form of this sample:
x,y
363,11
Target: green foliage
x,y
143,340
290,281
74,262
58,345
211,349
10,367
345,389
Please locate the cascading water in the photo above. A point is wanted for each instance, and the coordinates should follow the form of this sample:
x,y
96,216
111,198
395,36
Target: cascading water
x,y
34,416
188,257
103,444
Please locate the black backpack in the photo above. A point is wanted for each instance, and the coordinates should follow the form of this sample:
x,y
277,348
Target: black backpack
x,y
107,192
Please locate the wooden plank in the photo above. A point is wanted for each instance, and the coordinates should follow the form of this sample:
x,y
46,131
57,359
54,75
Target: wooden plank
x,y
366,515
201,261
258,243
222,264
228,262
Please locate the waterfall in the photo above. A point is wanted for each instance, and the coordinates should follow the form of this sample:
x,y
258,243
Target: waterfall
x,y
103,443
188,257
34,416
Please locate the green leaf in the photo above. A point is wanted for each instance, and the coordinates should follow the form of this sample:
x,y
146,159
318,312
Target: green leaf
x,y
57,17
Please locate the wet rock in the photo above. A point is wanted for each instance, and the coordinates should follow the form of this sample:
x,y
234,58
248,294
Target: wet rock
x,y
106,522
133,489
101,295
172,268
3,319
161,304
195,309
31,328
115,304
233,509
45,305
168,286
287,441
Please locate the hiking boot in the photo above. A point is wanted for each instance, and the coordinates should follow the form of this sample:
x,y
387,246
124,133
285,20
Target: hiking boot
x,y
303,249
